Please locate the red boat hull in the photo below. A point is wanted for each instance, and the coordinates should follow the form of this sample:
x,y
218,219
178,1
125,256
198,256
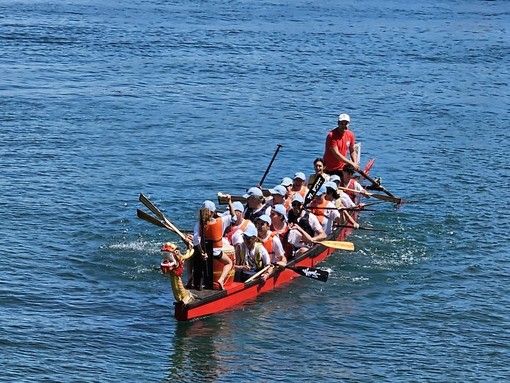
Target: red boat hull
x,y
210,302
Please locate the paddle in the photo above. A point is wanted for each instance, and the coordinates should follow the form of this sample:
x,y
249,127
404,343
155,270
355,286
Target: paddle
x,y
143,199
379,186
149,218
340,245
269,166
319,181
310,272
378,196
258,274
361,228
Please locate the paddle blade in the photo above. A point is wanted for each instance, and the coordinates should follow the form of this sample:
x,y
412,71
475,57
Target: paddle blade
x,y
149,218
314,189
388,198
340,245
311,272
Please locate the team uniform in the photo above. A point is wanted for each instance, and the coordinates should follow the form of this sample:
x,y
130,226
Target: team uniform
x,y
343,141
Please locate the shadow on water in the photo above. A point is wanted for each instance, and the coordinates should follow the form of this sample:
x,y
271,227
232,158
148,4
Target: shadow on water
x,y
195,354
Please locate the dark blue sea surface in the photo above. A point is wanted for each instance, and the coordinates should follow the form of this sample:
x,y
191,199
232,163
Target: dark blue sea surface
x,y
102,100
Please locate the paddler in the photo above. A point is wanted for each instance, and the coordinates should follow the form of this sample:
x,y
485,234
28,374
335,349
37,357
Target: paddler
x,y
318,165
238,225
333,196
256,204
305,227
348,181
251,256
324,210
279,224
270,240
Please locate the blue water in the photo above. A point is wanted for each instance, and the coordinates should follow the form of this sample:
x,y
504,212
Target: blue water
x,y
100,101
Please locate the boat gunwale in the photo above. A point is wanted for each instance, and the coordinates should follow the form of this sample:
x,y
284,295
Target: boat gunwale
x,y
280,277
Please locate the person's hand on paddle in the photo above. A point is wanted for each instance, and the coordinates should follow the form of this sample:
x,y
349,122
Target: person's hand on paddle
x,y
264,276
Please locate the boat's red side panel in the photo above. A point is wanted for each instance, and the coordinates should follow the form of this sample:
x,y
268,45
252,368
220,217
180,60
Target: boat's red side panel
x,y
241,292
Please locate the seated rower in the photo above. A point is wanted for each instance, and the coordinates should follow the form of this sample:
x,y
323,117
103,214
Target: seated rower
x,y
333,197
343,200
278,195
279,225
305,228
270,240
256,204
348,181
318,165
287,183
208,239
251,256
298,185
324,210
238,224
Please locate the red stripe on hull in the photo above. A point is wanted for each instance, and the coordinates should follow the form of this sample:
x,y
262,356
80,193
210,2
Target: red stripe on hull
x,y
238,293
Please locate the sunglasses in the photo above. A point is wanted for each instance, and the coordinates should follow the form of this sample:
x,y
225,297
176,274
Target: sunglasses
x,y
296,204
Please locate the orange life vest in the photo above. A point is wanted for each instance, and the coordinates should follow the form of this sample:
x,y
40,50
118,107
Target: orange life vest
x,y
316,210
233,229
268,243
213,231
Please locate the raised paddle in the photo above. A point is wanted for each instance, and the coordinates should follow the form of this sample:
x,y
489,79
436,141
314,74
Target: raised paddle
x,y
339,245
319,181
149,218
160,215
310,272
270,164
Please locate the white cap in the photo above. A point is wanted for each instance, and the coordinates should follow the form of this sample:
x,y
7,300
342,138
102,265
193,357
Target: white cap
x,y
250,231
238,206
321,191
298,197
300,175
278,189
253,192
334,178
280,209
265,218
287,181
209,205
331,185
344,117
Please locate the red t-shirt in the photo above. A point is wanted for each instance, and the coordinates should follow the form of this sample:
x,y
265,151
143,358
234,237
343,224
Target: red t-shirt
x,y
343,141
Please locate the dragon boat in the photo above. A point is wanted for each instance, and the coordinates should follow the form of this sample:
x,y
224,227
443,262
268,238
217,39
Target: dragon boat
x,y
194,303
191,303
208,302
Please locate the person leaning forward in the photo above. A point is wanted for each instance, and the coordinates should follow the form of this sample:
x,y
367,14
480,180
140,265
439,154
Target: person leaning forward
x,y
339,141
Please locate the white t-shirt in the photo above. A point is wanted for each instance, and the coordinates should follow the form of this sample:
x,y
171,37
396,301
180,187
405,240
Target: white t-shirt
x,y
330,215
295,237
249,257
